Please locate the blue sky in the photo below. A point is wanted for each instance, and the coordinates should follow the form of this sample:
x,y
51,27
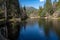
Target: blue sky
x,y
33,3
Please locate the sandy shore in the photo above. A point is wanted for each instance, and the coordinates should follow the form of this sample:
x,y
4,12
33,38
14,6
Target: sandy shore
x,y
35,17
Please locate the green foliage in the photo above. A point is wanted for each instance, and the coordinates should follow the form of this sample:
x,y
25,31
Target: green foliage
x,y
43,14
13,8
58,4
48,7
24,14
40,11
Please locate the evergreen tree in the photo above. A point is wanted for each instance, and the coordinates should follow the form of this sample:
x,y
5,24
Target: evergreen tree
x,y
40,11
24,14
24,8
48,6
13,9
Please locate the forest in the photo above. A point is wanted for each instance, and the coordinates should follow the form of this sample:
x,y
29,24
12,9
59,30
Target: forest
x,y
50,9
13,9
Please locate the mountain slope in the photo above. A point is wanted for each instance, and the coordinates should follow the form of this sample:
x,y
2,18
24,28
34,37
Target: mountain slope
x,y
31,10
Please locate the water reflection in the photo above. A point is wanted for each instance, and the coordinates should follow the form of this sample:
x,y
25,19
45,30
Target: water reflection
x,y
9,31
49,29
40,29
13,30
56,25
30,29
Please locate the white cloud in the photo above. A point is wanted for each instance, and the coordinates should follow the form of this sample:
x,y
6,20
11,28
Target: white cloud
x,y
41,0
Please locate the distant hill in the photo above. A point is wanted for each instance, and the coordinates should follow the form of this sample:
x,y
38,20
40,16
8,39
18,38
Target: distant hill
x,y
31,10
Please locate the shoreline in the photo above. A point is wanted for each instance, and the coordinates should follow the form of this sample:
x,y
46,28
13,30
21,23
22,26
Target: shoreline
x,y
46,17
19,19
34,17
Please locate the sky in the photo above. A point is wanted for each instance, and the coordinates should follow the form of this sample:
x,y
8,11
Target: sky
x,y
33,3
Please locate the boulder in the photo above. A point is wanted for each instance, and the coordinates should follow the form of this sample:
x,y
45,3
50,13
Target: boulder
x,y
56,14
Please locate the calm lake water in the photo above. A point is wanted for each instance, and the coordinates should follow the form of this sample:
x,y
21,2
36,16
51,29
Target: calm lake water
x,y
32,29
39,29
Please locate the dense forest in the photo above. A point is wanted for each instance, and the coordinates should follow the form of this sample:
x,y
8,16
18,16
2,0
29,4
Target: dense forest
x,y
50,9
11,9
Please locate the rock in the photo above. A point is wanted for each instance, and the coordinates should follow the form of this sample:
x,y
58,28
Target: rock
x,y
56,14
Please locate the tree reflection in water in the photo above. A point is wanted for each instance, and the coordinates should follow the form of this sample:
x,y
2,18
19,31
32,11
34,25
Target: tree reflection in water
x,y
56,25
10,30
51,28
13,29
35,28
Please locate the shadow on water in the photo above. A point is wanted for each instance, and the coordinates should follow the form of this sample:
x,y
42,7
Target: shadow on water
x,y
51,29
13,30
9,30
31,29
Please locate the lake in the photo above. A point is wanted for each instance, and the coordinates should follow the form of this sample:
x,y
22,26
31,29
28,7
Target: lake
x,y
34,29
40,29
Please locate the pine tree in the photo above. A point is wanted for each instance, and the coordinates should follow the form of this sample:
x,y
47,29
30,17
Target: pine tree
x,y
40,11
48,6
13,8
24,8
24,14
